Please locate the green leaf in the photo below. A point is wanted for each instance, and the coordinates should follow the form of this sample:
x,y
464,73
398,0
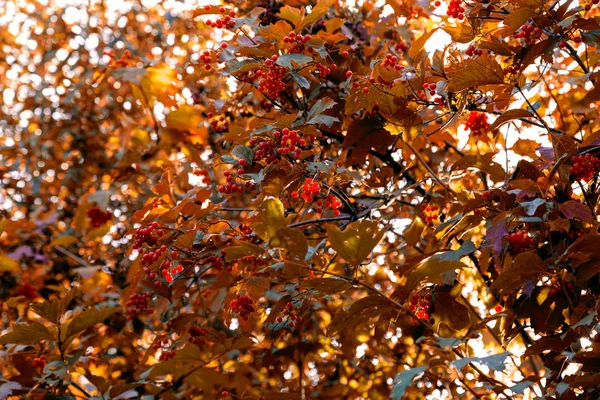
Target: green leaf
x,y
245,153
89,318
356,242
403,380
272,219
327,285
31,333
286,60
300,80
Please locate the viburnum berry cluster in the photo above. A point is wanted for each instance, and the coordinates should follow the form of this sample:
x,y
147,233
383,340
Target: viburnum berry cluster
x,y
584,167
270,15
298,42
330,202
271,84
558,291
287,141
520,241
138,304
224,21
232,186
204,174
429,213
323,70
528,33
477,123
148,235
165,351
398,46
289,315
206,59
38,362
168,270
392,62
421,305
513,69
219,124
197,334
455,9
432,90
98,217
242,306
310,188
473,51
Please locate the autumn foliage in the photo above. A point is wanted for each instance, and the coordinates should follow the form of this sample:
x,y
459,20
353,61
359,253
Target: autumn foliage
x,y
300,199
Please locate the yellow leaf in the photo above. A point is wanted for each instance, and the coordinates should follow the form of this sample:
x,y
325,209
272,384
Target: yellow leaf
x,y
64,240
481,71
186,119
419,44
508,116
159,84
462,33
406,121
31,333
356,242
432,271
292,240
7,264
412,234
318,11
272,218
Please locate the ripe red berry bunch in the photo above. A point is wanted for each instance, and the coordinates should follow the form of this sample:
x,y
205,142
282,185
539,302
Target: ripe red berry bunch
x,y
242,305
513,69
168,270
392,62
421,305
364,89
248,235
429,213
98,217
272,76
147,236
298,42
455,9
558,291
431,89
477,123
473,51
528,33
330,202
206,59
589,6
232,186
323,70
196,335
38,362
219,124
224,21
520,241
153,256
310,188
399,46
290,315
27,291
138,304
216,261
290,142
204,174
584,167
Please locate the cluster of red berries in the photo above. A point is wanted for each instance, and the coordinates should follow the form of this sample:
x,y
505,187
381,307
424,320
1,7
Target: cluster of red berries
x,y
219,124
206,59
216,261
37,362
137,304
513,69
473,51
431,88
455,8
298,42
242,305
391,61
584,167
224,21
589,6
429,213
98,217
528,33
153,256
330,202
248,235
286,142
310,188
27,291
166,355
421,305
323,70
399,46
253,261
204,174
167,271
477,123
271,84
289,314
558,291
197,333
147,235
520,241
231,186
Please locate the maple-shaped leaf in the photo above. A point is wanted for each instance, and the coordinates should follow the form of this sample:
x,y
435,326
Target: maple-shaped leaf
x,y
271,219
525,147
572,208
406,122
315,115
293,240
515,20
494,362
525,266
31,333
477,72
496,231
364,135
432,271
448,310
356,242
